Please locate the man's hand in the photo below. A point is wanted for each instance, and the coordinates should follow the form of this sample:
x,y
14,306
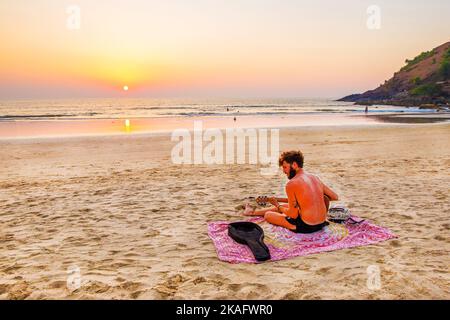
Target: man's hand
x,y
273,202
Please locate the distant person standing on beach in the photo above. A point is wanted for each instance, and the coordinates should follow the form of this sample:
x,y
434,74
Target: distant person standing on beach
x,y
367,109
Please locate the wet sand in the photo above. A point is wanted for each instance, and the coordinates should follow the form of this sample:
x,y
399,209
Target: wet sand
x,y
134,224
24,129
411,118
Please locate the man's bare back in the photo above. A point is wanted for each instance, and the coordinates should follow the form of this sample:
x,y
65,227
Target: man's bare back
x,y
308,191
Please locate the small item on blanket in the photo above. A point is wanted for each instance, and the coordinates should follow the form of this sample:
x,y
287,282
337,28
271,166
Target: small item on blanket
x,y
341,214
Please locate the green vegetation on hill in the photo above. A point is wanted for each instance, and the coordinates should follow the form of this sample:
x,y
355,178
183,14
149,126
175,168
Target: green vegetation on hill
x,y
416,80
420,57
429,90
432,89
444,68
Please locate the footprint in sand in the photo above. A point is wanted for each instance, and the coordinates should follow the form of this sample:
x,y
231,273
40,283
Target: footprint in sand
x,y
152,233
199,280
168,288
59,284
323,270
247,289
295,293
395,243
95,287
19,290
440,238
133,287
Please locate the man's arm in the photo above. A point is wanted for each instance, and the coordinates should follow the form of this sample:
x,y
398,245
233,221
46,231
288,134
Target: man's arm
x,y
330,193
292,211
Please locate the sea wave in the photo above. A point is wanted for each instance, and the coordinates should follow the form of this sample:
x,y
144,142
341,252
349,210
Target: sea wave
x,y
10,117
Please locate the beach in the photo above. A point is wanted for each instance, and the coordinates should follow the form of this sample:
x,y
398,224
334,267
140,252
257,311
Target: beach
x,y
115,213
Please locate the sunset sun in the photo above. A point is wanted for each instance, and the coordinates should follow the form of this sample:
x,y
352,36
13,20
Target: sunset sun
x,y
125,88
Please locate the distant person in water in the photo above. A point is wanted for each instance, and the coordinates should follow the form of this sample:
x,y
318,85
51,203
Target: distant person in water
x,y
308,198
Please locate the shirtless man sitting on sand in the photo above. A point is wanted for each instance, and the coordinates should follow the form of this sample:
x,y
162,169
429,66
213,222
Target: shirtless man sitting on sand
x,y
306,190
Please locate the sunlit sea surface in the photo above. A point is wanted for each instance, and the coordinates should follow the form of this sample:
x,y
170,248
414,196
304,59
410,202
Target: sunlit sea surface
x,y
152,108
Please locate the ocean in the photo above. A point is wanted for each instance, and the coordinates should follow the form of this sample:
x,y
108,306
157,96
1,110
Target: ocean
x,y
121,108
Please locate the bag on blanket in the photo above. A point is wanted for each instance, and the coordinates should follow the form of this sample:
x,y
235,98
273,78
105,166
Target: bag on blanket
x,y
341,214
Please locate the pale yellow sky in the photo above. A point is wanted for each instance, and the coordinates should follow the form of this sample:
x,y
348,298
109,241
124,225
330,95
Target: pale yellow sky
x,y
254,48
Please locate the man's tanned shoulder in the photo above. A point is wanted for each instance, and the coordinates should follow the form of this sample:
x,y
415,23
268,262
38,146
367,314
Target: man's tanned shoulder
x,y
290,184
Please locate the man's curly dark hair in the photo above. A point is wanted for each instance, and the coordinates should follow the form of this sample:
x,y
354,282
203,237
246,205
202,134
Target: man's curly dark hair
x,y
291,157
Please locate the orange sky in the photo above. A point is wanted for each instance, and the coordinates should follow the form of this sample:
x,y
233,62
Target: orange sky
x,y
209,48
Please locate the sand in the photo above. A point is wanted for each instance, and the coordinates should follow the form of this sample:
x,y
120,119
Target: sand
x,y
116,215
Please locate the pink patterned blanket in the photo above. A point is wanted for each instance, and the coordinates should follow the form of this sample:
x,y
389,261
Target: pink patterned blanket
x,y
284,244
